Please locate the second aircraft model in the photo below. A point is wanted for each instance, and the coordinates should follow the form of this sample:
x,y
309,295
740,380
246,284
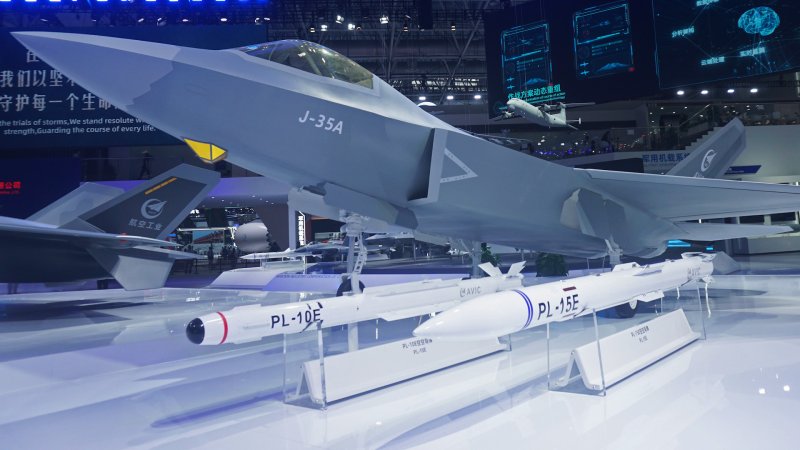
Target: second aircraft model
x,y
307,115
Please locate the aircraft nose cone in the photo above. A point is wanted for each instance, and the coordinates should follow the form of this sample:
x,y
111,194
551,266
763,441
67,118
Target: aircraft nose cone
x,y
117,70
196,331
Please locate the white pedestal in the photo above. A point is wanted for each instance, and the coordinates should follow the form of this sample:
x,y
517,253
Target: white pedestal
x,y
628,351
340,376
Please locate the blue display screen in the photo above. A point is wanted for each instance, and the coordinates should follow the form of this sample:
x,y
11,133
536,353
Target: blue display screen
x,y
602,37
709,40
527,69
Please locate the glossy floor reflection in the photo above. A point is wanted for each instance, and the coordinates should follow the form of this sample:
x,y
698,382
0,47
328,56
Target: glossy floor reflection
x,y
114,370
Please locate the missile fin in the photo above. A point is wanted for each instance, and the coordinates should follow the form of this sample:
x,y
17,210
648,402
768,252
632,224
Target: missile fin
x,y
516,269
491,270
650,296
391,316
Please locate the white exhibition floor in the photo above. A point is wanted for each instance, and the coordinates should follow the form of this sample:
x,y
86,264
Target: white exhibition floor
x,y
107,370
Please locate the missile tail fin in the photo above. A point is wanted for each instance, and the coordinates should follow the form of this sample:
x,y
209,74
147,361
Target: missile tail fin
x,y
491,270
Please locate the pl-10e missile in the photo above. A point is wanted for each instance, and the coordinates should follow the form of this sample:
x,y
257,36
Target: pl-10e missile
x,y
392,302
507,312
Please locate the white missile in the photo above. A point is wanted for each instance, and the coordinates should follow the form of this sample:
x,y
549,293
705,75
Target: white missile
x,y
507,312
391,302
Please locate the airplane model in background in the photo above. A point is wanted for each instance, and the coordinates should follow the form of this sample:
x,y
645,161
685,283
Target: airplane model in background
x,y
306,115
541,114
99,231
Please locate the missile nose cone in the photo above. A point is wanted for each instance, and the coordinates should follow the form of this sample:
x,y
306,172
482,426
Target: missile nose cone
x,y
196,331
117,70
456,324
481,318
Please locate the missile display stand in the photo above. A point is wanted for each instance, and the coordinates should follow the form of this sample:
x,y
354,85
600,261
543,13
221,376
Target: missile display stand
x,y
601,353
319,368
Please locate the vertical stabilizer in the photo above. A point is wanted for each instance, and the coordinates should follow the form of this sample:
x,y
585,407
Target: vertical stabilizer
x,y
154,208
66,209
715,156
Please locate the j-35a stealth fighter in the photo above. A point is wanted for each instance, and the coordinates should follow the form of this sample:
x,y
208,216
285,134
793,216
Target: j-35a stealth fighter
x,y
304,114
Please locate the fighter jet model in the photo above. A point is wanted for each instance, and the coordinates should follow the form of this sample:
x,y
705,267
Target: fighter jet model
x,y
540,114
99,231
303,114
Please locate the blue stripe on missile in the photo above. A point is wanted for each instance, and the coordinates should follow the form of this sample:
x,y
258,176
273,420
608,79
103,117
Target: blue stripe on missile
x,y
530,307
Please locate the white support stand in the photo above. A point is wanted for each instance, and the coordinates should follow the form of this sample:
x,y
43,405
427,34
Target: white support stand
x,y
341,376
608,360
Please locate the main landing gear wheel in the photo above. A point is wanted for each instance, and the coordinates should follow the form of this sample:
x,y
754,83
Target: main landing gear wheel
x,y
626,310
347,286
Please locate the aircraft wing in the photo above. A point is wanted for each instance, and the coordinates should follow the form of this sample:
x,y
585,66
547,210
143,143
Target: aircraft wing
x,y
512,143
506,117
18,229
682,198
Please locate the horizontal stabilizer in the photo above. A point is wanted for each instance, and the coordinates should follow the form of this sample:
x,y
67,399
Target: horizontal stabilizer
x,y
682,198
722,231
135,268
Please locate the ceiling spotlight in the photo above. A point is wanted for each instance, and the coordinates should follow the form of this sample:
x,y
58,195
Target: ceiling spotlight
x,y
731,91
323,27
450,97
223,19
477,96
339,19
384,19
704,92
351,27
358,27
311,29
141,19
422,98
405,26
681,92
754,90
452,26
185,20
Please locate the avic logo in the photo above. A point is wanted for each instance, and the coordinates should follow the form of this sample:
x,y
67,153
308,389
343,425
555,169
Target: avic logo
x,y
152,208
707,160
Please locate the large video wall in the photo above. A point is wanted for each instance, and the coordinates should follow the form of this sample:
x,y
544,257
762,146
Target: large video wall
x,y
569,51
707,40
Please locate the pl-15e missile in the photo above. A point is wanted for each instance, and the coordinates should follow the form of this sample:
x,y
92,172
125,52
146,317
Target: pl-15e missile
x,y
507,312
392,302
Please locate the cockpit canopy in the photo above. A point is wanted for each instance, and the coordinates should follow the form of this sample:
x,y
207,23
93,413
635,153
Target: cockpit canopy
x,y
312,58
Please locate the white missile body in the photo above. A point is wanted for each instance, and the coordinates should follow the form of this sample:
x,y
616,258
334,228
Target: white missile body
x,y
515,310
392,302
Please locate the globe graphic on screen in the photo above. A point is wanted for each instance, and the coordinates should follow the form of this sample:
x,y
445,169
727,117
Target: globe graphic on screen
x,y
761,20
